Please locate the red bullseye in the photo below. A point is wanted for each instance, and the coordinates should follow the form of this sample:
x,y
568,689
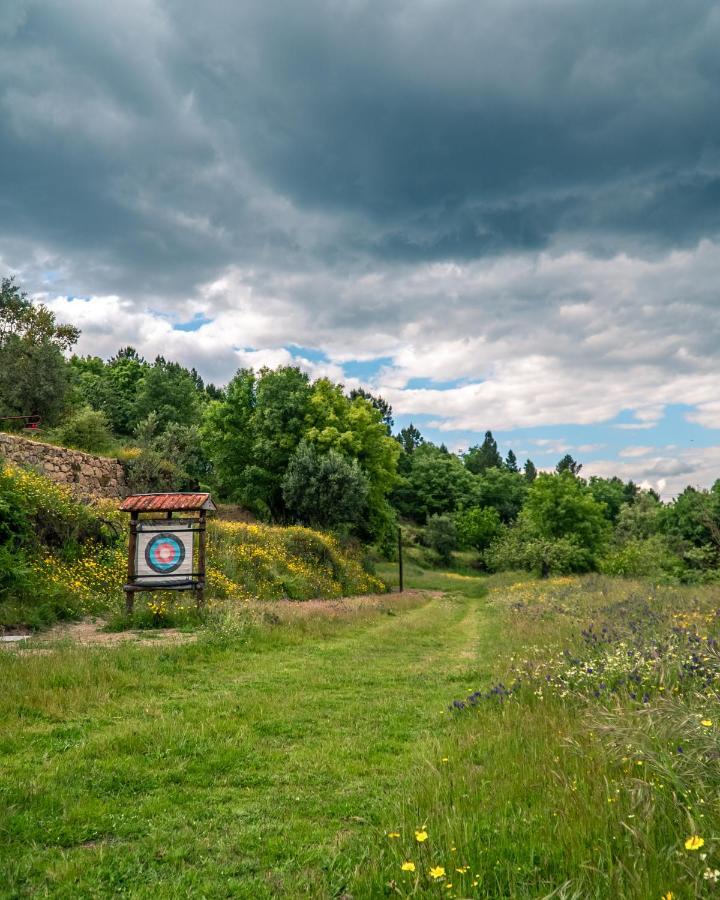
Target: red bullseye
x,y
165,553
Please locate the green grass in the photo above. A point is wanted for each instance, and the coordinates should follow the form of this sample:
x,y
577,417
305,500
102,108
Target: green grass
x,y
257,765
273,757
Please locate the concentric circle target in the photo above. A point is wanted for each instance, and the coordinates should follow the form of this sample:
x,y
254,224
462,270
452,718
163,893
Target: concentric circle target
x,y
164,553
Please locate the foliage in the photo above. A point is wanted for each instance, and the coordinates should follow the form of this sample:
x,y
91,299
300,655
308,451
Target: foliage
x,y
648,557
170,392
561,506
482,457
252,435
33,376
501,489
529,471
409,438
86,429
568,464
441,536
324,490
436,484
521,547
614,493
477,526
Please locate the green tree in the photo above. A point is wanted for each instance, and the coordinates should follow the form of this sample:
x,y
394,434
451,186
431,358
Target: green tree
x,y
119,390
378,402
511,463
568,464
324,490
170,391
482,457
441,536
409,439
501,489
477,527
33,370
610,491
561,506
436,483
529,471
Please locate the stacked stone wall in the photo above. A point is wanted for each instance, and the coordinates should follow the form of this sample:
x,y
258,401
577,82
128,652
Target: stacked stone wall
x,y
87,475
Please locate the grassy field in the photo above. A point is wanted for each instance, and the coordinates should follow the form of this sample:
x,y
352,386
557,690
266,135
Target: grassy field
x,y
303,754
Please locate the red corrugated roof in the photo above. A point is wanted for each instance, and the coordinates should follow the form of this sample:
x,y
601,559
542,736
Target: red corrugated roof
x,y
166,502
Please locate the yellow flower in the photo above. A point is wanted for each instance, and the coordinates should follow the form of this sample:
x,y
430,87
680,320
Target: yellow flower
x,y
668,896
437,872
408,866
694,842
462,870
706,722
445,759
421,836
394,834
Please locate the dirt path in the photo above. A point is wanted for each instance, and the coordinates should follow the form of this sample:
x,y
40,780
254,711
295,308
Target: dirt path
x,y
91,631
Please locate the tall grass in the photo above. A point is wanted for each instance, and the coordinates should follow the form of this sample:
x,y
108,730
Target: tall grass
x,y
587,772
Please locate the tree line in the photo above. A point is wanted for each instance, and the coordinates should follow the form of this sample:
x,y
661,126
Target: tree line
x,y
291,449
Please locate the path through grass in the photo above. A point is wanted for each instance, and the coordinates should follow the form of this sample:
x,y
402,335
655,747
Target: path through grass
x,y
252,766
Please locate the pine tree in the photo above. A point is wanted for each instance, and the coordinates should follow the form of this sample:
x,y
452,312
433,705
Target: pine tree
x,y
530,471
484,456
511,462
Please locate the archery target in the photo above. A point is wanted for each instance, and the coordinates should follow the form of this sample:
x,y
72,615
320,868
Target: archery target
x,y
164,557
164,553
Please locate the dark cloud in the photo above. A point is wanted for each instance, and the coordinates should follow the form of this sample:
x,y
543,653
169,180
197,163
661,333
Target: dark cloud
x,y
148,146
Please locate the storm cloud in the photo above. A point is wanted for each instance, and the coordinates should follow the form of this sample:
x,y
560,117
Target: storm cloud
x,y
516,204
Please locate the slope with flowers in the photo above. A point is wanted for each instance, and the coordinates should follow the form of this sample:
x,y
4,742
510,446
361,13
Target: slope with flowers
x,y
61,558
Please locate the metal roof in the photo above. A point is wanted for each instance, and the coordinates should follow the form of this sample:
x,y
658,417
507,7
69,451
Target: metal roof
x,y
167,502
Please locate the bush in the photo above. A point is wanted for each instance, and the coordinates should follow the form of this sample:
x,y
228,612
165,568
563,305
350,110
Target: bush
x,y
518,548
149,472
324,490
87,429
649,557
441,537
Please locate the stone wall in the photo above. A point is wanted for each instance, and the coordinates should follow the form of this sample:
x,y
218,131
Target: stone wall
x,y
87,475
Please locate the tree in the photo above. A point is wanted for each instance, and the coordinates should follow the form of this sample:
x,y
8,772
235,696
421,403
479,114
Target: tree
x,y
501,489
568,464
561,506
529,471
482,457
378,402
477,527
610,491
441,537
436,483
33,371
409,439
168,390
324,490
511,463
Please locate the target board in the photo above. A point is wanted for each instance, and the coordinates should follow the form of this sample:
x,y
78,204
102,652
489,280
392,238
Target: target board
x,y
164,554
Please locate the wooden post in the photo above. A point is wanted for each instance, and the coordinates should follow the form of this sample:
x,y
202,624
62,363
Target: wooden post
x,y
132,548
400,558
200,592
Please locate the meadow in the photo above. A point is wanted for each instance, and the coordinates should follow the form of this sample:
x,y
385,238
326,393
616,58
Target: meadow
x,y
487,737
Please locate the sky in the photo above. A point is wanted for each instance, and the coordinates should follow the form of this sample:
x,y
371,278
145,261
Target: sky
x,y
498,214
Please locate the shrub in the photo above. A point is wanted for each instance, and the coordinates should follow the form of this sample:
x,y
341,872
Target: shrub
x,y
87,429
648,557
324,490
518,548
441,537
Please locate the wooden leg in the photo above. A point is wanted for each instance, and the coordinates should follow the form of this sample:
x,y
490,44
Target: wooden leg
x,y
129,602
